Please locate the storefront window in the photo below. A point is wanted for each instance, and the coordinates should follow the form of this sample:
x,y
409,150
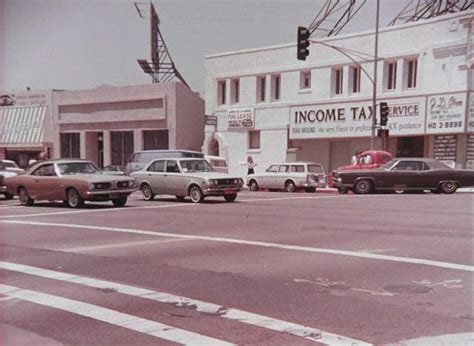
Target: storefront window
x,y
70,145
122,147
155,139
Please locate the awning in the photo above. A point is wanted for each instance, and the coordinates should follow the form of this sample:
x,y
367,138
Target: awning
x,y
22,125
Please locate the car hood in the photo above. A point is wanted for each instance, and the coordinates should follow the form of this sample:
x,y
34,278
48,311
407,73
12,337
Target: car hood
x,y
97,178
210,175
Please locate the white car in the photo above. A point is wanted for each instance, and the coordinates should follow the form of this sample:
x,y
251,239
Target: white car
x,y
193,177
289,176
10,166
219,164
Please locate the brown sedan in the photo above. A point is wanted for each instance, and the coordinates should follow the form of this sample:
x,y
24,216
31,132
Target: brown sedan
x,y
405,174
72,181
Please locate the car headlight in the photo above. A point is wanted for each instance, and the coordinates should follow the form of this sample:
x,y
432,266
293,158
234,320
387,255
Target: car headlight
x,y
213,182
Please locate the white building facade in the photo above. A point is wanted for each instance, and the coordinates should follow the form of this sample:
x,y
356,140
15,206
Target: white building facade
x,y
267,104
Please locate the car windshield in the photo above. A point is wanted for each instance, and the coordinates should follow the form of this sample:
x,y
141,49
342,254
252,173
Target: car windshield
x,y
195,166
78,168
10,164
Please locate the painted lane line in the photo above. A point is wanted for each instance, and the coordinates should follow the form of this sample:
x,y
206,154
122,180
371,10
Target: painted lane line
x,y
110,316
175,205
409,260
446,339
253,319
338,284
118,245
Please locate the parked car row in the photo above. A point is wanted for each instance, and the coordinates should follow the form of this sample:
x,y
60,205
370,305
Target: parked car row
x,y
75,181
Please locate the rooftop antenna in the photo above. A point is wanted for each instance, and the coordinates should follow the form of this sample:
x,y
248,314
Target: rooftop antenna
x,y
161,68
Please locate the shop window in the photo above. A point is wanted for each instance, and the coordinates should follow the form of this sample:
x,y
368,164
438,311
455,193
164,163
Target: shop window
x,y
261,88
337,79
155,139
355,79
411,73
221,91
121,146
391,75
276,87
235,90
305,79
254,139
70,145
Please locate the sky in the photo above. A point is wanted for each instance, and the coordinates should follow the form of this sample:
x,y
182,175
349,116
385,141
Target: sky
x,y
82,44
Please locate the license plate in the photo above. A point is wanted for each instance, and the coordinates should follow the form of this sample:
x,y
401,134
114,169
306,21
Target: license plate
x,y
114,195
228,192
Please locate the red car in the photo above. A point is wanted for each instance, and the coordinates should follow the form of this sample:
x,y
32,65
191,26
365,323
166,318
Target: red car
x,y
369,159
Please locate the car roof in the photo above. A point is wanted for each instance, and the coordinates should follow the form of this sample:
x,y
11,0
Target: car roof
x,y
63,161
296,163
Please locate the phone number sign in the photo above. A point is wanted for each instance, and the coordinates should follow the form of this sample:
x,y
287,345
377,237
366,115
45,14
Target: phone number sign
x,y
446,113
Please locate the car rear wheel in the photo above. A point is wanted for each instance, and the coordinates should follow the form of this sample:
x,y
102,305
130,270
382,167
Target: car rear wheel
x,y
363,186
25,198
290,186
119,202
8,195
230,198
448,187
196,194
253,186
147,192
73,199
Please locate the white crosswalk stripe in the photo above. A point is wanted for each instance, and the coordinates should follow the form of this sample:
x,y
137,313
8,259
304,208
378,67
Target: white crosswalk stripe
x,y
308,333
110,316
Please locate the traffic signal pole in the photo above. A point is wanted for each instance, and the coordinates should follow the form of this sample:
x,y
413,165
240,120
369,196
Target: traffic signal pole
x,y
374,95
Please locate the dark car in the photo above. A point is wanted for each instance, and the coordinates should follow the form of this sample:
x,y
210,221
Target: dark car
x,y
406,174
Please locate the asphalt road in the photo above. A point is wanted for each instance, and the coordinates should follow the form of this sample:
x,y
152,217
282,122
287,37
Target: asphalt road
x,y
268,269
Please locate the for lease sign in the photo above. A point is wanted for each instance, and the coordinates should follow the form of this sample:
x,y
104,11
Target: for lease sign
x,y
406,116
241,118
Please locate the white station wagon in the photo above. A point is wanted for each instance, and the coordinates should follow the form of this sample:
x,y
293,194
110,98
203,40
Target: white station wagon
x,y
193,177
289,176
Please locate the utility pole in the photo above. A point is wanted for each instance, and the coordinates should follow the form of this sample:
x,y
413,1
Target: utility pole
x,y
374,96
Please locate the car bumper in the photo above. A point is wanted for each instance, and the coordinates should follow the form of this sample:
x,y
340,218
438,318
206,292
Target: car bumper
x,y
3,189
221,191
106,195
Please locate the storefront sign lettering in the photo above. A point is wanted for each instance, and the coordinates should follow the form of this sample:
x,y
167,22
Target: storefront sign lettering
x,y
406,116
445,113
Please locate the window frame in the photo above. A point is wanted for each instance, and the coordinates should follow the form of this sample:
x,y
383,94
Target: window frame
x,y
221,92
261,88
305,80
338,80
412,73
276,87
250,143
355,79
235,90
391,80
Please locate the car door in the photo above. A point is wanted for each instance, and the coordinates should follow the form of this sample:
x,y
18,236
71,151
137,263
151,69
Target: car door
x,y
281,177
402,175
45,183
154,174
428,177
172,178
267,179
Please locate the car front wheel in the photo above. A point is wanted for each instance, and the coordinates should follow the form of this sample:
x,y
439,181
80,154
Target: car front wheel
x,y
363,186
119,202
147,192
448,187
196,194
25,198
230,198
73,199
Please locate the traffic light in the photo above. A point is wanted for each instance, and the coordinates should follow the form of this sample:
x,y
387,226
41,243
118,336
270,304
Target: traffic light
x,y
303,43
383,113
383,133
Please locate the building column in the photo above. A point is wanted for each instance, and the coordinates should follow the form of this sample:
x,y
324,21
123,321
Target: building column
x,y
107,148
137,140
82,140
400,74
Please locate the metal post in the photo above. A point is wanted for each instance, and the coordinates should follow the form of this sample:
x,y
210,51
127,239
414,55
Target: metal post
x,y
374,96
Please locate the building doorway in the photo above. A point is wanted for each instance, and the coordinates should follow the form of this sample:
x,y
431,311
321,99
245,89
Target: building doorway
x,y
411,146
